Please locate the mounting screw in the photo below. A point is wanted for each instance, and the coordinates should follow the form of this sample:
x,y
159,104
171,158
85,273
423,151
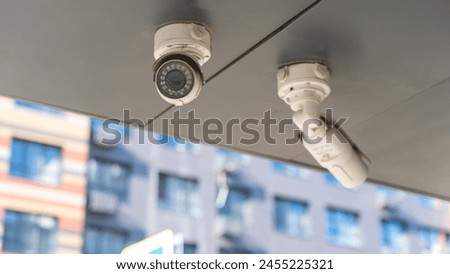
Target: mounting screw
x,y
198,32
282,74
321,71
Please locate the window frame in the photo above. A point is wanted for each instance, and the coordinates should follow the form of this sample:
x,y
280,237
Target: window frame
x,y
356,240
405,230
25,228
423,242
123,193
22,170
170,206
227,212
305,217
106,232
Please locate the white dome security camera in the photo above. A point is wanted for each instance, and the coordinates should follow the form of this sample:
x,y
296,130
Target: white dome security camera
x,y
303,86
180,51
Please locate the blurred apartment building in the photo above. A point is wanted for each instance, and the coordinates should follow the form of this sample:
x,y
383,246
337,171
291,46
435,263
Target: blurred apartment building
x,y
224,202
218,201
43,160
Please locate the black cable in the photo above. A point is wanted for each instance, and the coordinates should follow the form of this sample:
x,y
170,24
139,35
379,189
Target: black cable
x,y
265,39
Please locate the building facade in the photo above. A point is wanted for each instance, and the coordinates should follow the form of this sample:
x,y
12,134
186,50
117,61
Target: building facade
x,y
64,190
224,202
43,160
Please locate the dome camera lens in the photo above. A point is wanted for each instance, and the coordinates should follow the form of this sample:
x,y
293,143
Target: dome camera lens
x,y
175,79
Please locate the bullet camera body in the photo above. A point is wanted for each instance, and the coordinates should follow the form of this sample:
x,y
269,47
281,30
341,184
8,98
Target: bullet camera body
x,y
303,86
180,51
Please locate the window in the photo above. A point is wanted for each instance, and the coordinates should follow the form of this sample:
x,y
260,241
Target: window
x,y
234,208
109,177
35,161
234,250
426,201
178,194
291,217
447,243
112,130
29,233
225,155
189,248
430,240
331,180
389,197
38,107
394,236
343,228
389,193
290,170
103,241
180,145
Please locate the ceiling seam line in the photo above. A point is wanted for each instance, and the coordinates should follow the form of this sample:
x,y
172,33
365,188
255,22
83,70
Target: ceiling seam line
x,y
265,39
157,116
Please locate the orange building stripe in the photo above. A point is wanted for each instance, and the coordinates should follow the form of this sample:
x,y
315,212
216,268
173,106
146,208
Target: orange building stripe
x,y
75,155
34,184
59,204
5,140
71,225
3,175
65,186
73,189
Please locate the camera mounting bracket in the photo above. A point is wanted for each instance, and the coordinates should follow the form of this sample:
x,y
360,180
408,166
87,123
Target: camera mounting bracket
x,y
191,38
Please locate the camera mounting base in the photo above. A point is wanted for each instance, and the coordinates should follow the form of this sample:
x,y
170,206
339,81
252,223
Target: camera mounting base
x,y
303,83
189,38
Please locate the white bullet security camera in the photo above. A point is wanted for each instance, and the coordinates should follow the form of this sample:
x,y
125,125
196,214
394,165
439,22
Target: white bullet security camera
x,y
304,86
180,51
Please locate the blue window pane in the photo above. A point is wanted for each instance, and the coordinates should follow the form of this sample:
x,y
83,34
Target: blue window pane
x,y
35,161
103,241
330,179
426,201
29,233
343,228
172,142
388,192
108,129
235,203
190,249
290,170
226,155
394,236
180,145
229,154
389,198
430,240
110,177
179,195
38,107
291,217
234,250
447,243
